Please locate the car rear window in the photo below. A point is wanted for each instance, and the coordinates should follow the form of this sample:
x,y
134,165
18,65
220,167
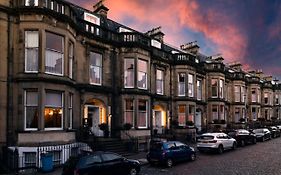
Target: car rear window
x,y
206,137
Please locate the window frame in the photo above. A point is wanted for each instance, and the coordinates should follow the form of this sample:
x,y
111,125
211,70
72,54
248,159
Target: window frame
x,y
70,59
133,72
199,89
56,51
221,88
182,113
190,91
50,106
214,87
70,111
27,3
146,116
126,110
25,109
100,68
181,84
161,81
146,73
25,51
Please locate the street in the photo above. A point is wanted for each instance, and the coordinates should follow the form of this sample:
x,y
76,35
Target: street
x,y
260,159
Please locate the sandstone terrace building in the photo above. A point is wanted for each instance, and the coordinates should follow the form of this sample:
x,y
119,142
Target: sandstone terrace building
x,y
63,67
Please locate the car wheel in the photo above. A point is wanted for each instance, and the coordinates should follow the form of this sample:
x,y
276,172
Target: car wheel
x,y
242,143
254,141
220,149
169,163
192,157
133,171
234,146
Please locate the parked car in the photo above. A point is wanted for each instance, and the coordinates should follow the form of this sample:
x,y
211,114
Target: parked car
x,y
101,163
243,137
262,134
216,141
275,132
169,152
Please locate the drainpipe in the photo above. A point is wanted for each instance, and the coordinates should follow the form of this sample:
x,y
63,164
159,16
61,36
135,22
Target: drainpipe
x,y
113,121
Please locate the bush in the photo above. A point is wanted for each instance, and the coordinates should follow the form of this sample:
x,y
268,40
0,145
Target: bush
x,y
189,123
103,126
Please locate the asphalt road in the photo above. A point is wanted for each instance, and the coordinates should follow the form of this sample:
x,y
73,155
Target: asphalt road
x,y
264,158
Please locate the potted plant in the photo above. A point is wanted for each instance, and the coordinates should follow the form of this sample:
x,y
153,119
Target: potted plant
x,y
104,128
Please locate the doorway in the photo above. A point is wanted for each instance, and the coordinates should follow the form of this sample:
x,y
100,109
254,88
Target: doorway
x,y
198,120
93,115
157,121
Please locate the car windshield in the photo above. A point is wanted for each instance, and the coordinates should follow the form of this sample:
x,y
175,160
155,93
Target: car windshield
x,y
206,137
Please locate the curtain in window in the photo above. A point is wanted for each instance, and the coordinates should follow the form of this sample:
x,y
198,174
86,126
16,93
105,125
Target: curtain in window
x,y
31,50
53,62
31,110
53,110
142,114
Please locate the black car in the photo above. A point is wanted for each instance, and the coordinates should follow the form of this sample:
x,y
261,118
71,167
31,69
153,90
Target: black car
x,y
275,132
262,134
101,163
243,137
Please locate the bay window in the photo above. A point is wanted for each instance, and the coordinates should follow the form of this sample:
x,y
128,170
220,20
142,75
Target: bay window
x,y
53,112
129,111
31,2
129,73
237,93
215,114
142,114
254,95
181,84
214,83
266,101
243,95
221,88
54,54
142,74
181,115
159,82
190,85
70,111
95,68
31,51
31,110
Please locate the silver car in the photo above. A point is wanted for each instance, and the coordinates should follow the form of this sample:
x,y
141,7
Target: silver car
x,y
216,141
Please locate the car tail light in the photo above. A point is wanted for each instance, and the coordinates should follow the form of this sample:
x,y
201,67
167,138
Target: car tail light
x,y
213,141
76,172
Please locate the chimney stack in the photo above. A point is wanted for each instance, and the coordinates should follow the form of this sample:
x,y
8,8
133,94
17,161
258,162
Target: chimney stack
x,y
100,8
156,33
191,47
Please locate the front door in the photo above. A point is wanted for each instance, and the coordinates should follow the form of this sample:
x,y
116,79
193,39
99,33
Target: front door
x,y
94,115
198,120
158,121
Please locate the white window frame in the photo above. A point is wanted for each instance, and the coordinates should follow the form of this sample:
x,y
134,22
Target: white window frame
x,y
133,72
125,110
237,93
62,54
215,117
25,106
190,85
221,90
145,61
70,59
99,68
62,115
26,63
243,94
146,117
181,84
160,80
199,89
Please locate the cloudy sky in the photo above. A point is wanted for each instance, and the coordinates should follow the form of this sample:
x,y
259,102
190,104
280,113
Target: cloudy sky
x,y
248,31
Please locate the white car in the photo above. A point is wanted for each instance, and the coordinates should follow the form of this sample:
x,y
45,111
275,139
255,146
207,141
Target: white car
x,y
216,141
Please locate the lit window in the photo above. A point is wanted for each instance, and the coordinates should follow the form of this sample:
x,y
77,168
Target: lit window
x,y
53,113
31,110
95,68
70,59
199,90
191,112
129,73
181,115
181,83
31,51
31,2
54,54
142,74
142,114
190,86
129,111
159,82
214,87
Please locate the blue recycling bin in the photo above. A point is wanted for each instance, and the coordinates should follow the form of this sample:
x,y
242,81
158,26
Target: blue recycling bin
x,y
47,162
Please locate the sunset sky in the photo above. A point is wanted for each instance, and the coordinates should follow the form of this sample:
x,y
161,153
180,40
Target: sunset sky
x,y
248,31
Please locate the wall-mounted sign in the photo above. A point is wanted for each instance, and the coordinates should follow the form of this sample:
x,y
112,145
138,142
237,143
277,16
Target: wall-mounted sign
x,y
91,18
156,44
